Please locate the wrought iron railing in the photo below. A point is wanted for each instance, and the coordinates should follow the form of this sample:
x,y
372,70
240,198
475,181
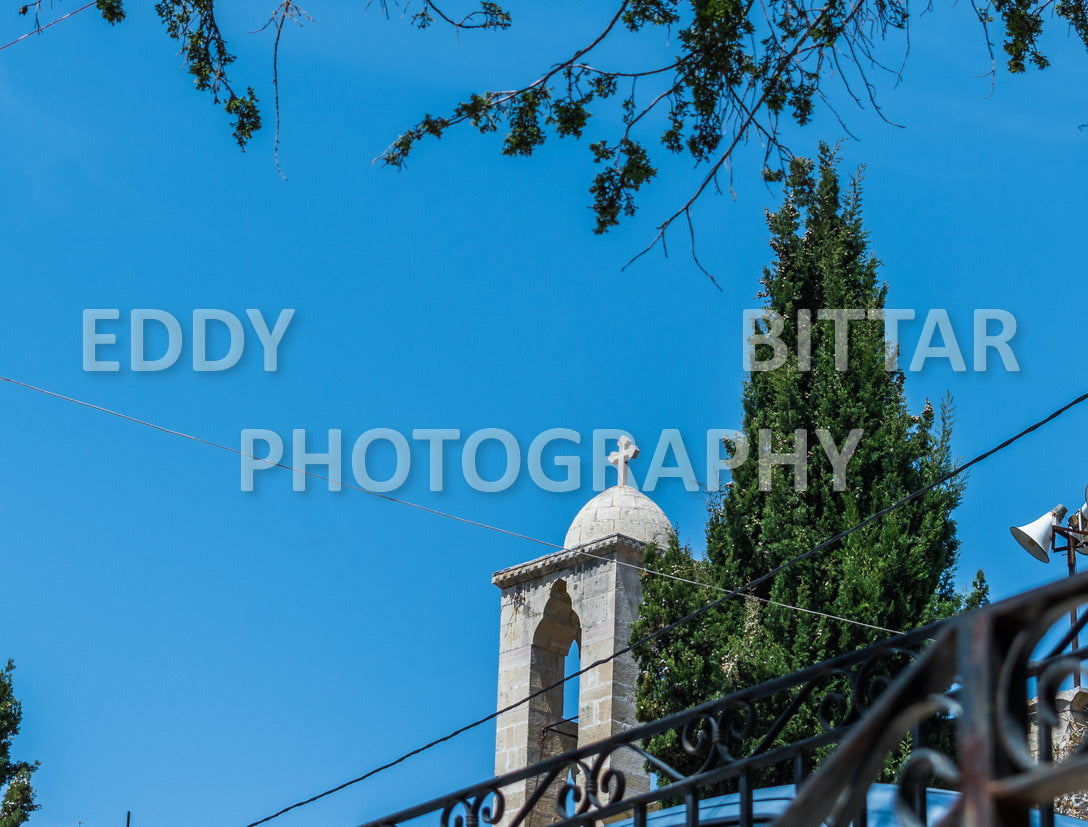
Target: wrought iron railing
x,y
970,703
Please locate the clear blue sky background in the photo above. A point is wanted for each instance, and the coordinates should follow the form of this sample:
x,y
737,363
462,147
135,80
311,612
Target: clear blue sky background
x,y
202,656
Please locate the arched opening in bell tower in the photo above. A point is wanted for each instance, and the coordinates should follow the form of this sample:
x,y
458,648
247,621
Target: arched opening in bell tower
x,y
556,642
571,664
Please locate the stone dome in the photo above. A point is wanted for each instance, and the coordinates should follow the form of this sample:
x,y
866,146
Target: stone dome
x,y
619,510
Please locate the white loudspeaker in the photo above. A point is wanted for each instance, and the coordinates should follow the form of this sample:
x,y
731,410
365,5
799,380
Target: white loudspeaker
x,y
1036,536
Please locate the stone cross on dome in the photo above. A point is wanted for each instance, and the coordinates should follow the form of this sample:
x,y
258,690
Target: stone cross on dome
x,y
627,452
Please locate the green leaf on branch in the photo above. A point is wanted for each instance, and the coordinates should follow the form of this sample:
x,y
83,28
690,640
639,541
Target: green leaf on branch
x,y
112,11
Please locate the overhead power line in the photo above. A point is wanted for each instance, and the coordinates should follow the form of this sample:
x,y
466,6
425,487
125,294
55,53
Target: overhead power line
x,y
428,509
646,639
270,464
664,630
703,585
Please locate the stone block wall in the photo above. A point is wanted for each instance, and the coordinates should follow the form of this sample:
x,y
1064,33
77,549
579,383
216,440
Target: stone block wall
x,y
548,603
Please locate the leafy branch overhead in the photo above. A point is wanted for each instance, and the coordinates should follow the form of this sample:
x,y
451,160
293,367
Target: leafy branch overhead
x,y
207,57
742,70
204,49
741,67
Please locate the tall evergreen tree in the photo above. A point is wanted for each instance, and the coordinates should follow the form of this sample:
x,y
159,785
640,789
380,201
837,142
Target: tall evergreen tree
x,y
898,573
17,802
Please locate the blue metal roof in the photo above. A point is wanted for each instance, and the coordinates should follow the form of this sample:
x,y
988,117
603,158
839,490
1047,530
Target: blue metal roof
x,y
770,802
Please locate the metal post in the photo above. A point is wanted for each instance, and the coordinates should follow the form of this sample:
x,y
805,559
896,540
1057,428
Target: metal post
x,y
1072,560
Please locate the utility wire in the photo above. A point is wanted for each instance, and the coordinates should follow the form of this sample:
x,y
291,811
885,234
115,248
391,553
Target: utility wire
x,y
652,636
701,584
691,615
434,511
41,29
270,464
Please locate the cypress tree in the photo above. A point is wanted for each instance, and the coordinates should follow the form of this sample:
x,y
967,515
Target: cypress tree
x,y
898,573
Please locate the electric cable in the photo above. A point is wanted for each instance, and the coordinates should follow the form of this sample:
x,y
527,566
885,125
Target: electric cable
x,y
765,600
428,509
691,615
642,641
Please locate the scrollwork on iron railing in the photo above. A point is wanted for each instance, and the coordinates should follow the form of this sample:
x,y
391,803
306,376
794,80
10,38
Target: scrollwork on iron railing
x,y
968,678
986,671
469,812
910,810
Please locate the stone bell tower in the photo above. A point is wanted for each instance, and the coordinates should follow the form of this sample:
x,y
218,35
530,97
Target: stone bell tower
x,y
584,594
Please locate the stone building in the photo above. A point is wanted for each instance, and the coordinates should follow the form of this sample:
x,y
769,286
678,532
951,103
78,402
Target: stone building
x,y
587,594
1071,711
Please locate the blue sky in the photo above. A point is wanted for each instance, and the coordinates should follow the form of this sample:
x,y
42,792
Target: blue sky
x,y
196,654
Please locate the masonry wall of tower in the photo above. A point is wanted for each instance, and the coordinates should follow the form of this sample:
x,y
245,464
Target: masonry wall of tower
x,y
603,597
